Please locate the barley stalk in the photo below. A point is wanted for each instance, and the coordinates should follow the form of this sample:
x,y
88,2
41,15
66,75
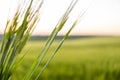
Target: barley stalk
x,y
18,31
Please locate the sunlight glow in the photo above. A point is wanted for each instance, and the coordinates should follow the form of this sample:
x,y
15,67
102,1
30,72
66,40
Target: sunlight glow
x,y
102,17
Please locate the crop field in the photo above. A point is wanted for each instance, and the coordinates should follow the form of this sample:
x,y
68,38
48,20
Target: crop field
x,y
95,58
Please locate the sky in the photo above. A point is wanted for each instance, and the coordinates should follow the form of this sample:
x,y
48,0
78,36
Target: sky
x,y
101,18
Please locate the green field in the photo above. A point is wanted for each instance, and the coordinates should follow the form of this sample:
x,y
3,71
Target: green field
x,y
95,58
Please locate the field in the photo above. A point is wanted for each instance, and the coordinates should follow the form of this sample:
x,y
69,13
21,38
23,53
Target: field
x,y
95,58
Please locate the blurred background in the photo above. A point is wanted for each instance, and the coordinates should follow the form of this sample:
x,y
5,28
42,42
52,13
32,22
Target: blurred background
x,y
92,50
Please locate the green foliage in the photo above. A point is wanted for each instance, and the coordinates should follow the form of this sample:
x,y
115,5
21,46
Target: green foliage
x,y
16,34
18,31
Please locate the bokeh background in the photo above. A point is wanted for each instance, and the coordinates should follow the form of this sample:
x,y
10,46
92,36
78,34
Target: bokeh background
x,y
92,51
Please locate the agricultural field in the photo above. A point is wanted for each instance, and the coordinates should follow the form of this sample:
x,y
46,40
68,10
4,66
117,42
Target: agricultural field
x,y
93,58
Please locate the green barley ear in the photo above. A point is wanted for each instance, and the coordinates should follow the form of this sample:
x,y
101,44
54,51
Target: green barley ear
x,y
50,40
60,43
16,34
18,31
56,49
